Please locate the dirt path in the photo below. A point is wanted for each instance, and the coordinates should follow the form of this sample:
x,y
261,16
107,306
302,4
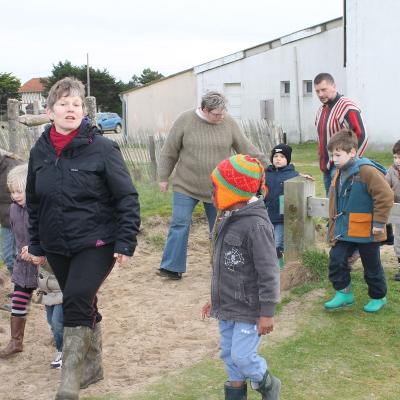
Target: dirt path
x,y
151,326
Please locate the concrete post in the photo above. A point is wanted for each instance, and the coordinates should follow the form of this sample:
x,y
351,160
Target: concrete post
x,y
12,115
299,227
90,102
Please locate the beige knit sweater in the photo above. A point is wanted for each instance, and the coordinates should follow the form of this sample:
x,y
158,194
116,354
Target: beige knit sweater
x,y
195,147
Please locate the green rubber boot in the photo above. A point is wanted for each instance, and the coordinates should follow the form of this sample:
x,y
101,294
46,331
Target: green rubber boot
x,y
342,298
374,305
269,387
235,393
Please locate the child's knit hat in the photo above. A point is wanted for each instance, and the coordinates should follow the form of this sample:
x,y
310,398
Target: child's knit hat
x,y
237,179
283,149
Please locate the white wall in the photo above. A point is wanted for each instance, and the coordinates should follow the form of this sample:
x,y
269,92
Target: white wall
x,y
260,77
373,65
155,107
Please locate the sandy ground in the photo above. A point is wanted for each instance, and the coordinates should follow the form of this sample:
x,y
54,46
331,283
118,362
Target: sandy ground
x,y
151,326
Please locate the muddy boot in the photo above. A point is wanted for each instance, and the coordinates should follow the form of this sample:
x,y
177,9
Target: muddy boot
x,y
93,367
17,337
235,393
75,347
269,387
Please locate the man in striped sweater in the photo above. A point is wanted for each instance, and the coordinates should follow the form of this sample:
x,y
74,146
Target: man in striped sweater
x,y
336,112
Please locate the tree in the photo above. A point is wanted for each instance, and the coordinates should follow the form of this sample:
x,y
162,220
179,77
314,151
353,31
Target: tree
x,y
146,77
9,86
102,85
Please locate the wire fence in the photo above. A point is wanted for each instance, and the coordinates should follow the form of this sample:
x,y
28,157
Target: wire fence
x,y
142,151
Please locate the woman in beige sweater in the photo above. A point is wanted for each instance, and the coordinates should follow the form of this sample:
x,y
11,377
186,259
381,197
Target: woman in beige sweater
x,y
199,139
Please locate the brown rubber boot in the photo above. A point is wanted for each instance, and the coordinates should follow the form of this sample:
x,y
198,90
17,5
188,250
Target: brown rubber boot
x,y
17,337
75,348
92,371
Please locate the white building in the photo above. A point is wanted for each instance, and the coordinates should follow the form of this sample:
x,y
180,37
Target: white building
x,y
32,91
274,80
373,64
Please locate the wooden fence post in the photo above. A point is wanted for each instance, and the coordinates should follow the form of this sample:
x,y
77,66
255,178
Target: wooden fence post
x,y
152,151
90,102
299,227
12,115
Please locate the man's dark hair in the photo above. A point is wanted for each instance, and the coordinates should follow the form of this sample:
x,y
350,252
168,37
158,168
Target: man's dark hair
x,y
323,76
345,140
396,147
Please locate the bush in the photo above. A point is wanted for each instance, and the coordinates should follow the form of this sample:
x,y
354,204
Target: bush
x,y
317,262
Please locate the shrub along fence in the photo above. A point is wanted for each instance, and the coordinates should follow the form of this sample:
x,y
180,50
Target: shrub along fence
x,y
141,152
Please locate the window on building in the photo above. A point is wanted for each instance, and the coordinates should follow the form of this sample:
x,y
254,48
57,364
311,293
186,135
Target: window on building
x,y
267,109
285,88
307,88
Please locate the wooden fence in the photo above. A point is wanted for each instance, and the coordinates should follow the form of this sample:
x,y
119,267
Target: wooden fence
x,y
141,151
300,207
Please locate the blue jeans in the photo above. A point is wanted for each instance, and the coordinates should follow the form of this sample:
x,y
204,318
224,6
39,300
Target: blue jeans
x,y
339,271
279,236
8,247
327,178
239,343
55,319
175,250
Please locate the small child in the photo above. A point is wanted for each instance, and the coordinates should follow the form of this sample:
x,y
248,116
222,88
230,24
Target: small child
x,y
360,201
245,279
52,298
25,274
280,171
393,178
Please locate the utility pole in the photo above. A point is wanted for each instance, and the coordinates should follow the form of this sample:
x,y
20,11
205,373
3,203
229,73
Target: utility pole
x,y
87,74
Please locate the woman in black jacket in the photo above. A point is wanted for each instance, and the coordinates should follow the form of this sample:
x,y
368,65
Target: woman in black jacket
x,y
84,217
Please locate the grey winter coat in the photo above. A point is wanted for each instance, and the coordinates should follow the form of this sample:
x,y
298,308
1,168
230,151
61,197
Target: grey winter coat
x,y
245,279
25,274
393,178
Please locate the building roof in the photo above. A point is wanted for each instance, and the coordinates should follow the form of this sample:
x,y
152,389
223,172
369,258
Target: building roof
x,y
33,85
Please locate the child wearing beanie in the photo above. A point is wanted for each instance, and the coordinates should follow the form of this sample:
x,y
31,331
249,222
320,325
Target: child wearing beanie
x,y
245,278
277,173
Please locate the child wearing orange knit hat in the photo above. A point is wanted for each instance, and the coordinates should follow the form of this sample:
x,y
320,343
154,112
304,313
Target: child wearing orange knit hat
x,y
245,279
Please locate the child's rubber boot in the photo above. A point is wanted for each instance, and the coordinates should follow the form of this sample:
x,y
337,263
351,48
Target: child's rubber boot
x,y
235,393
269,387
374,305
281,262
342,298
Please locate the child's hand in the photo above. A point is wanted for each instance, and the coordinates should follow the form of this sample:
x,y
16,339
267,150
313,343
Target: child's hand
x,y
265,325
309,177
25,255
205,311
37,260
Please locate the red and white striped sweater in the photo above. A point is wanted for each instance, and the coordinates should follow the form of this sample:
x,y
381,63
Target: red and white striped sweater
x,y
338,114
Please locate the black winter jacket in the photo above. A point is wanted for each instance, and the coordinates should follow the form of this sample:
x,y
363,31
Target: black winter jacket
x,y
274,179
83,198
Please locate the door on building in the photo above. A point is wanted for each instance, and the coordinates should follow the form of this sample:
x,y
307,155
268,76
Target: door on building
x,y
233,93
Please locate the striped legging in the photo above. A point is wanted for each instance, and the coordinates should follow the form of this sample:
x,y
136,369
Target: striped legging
x,y
21,298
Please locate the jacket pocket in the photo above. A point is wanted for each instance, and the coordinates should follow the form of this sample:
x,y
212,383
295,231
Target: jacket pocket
x,y
233,252
360,225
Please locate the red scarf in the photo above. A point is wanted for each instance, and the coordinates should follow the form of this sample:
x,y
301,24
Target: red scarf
x,y
59,140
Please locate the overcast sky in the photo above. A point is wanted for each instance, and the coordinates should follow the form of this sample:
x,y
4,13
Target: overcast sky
x,y
126,36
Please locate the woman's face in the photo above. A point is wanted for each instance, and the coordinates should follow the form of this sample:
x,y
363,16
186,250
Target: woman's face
x,y
67,114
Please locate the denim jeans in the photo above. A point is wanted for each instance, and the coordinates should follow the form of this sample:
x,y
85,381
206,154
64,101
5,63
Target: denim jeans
x,y
279,236
175,250
239,343
55,319
339,271
8,247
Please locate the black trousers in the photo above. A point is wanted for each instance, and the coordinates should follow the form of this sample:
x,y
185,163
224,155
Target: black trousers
x,y
339,270
80,277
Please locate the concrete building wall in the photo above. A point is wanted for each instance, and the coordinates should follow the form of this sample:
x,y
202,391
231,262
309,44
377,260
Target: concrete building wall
x,y
373,64
154,107
258,75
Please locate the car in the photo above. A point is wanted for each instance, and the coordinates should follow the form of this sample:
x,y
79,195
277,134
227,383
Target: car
x,y
108,121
